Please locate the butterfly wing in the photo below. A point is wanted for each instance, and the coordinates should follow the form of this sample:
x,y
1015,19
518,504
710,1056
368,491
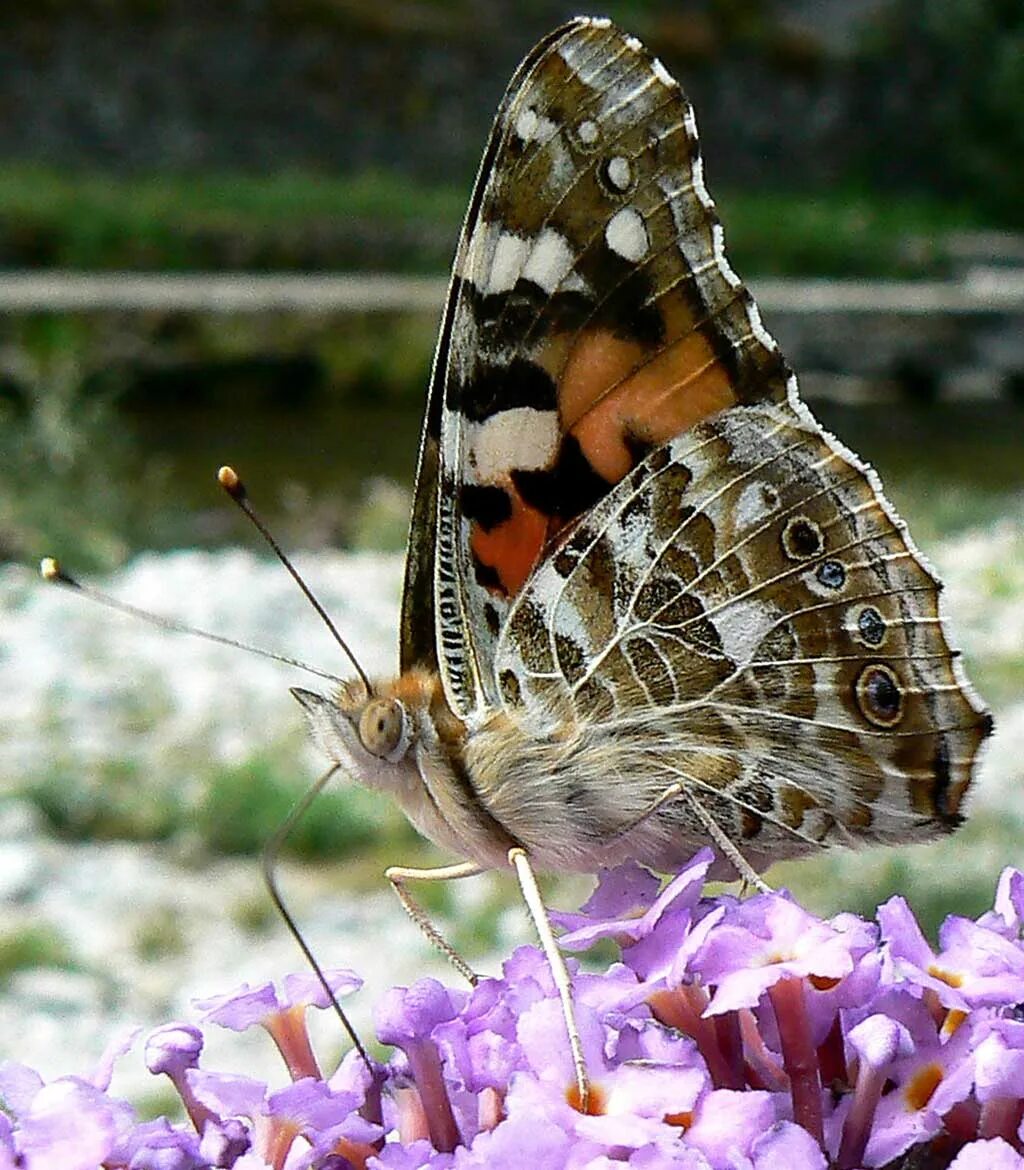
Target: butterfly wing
x,y
746,614
591,316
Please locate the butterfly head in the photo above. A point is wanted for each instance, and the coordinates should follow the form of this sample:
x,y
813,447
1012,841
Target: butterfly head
x,y
367,734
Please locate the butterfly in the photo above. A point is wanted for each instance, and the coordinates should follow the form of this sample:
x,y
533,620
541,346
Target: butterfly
x,y
647,597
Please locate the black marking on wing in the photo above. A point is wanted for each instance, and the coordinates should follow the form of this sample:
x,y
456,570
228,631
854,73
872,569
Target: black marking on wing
x,y
626,308
499,386
419,629
569,488
485,576
502,319
485,505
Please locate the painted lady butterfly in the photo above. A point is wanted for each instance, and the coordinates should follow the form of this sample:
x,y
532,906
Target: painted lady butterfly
x,y
647,597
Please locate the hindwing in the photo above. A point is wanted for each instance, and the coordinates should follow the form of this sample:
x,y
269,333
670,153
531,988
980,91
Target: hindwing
x,y
747,601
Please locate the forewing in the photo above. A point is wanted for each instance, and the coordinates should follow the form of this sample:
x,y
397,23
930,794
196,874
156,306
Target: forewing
x,y
748,608
591,317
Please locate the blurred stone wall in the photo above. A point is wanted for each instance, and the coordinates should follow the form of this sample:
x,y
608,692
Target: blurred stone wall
x,y
261,85
793,93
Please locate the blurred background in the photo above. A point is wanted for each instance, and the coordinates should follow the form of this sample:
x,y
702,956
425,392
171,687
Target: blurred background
x,y
224,234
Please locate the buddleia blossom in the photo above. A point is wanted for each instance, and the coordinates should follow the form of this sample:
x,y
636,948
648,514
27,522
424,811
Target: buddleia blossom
x,y
732,1035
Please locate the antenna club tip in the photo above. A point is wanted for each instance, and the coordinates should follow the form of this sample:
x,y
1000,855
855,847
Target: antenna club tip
x,y
231,482
50,570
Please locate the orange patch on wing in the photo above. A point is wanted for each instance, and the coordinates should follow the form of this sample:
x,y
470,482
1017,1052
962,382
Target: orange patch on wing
x,y
513,547
612,390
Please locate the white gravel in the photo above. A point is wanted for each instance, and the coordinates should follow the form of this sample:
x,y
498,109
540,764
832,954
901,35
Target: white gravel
x,y
81,687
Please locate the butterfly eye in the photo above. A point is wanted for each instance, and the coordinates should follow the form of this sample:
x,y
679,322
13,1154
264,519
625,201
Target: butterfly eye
x,y
383,729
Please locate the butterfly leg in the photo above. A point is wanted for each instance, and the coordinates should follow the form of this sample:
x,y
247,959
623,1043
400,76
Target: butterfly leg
x,y
728,849
538,912
398,875
721,839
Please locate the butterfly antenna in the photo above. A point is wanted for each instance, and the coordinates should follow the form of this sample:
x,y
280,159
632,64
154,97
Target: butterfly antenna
x,y
230,481
51,570
270,854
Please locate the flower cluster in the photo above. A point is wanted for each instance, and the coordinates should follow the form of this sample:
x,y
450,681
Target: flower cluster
x,y
733,1035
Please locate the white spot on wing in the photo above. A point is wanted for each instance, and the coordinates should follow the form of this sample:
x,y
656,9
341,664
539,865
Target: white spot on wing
x,y
619,173
661,73
550,261
530,125
526,124
742,627
476,263
510,253
755,504
626,234
571,622
522,437
588,132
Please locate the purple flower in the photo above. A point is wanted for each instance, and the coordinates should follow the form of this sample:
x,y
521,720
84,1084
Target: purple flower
x,y
281,1013
173,1049
309,1108
406,1018
735,1035
878,1042
768,938
999,1077
786,1147
223,1142
975,966
628,907
158,1145
68,1124
728,1123
1007,913
928,1082
994,1154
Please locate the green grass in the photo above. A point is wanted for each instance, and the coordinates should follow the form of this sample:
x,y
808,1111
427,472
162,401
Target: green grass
x,y
237,811
300,220
179,222
161,935
840,233
243,807
33,946
110,802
